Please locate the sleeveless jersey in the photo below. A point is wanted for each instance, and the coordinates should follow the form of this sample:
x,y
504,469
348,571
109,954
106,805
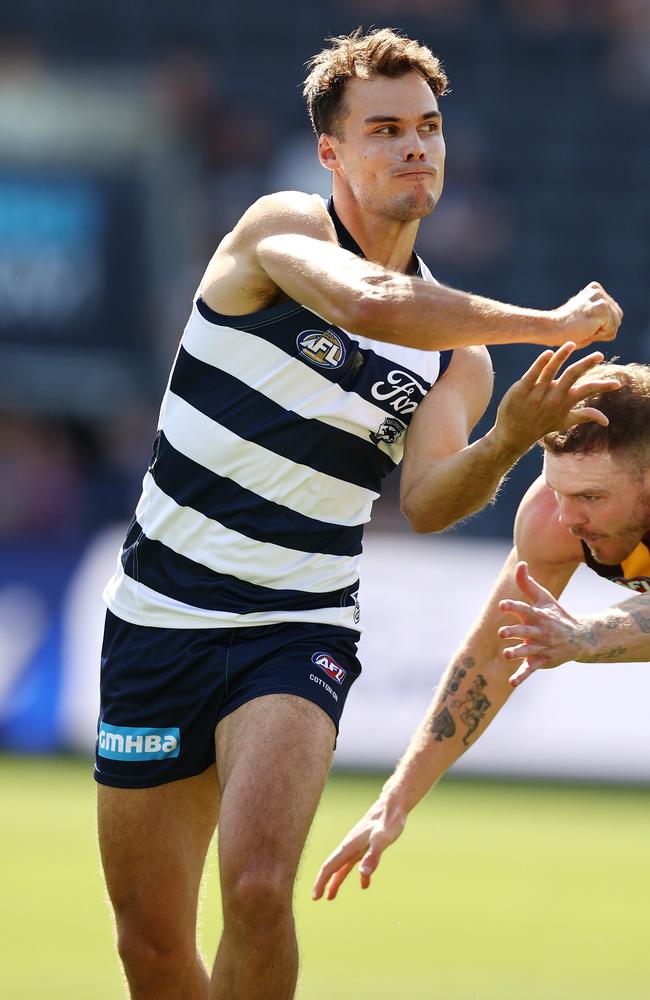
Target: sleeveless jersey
x,y
633,572
275,432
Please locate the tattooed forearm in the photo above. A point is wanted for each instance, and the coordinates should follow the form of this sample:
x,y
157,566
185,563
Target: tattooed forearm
x,y
474,705
443,725
457,675
642,620
587,634
607,656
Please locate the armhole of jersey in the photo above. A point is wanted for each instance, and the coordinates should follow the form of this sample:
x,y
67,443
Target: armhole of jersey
x,y
445,359
248,319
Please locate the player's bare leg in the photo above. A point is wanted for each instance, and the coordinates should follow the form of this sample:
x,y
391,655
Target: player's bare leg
x,y
273,756
153,843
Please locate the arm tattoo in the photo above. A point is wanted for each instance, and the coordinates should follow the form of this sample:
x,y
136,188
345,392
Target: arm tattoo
x,y
474,706
457,675
443,725
587,634
608,656
643,621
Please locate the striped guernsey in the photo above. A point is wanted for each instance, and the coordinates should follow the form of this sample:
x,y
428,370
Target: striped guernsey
x,y
275,433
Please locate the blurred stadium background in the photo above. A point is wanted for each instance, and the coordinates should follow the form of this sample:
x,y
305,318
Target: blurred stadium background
x,y
132,136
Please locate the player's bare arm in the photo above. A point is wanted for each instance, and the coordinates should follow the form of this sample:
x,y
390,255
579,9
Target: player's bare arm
x,y
285,245
445,479
547,635
473,689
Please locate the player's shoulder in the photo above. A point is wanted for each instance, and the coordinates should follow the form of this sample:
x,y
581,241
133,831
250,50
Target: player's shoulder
x,y
234,282
539,533
285,212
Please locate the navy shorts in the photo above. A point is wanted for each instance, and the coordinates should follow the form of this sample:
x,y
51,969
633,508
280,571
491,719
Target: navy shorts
x,y
163,690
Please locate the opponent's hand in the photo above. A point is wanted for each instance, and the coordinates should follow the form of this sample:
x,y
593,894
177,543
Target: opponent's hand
x,y
590,315
542,401
546,635
365,842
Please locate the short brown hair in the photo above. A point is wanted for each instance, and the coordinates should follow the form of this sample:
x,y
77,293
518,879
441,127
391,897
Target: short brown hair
x,y
628,411
381,52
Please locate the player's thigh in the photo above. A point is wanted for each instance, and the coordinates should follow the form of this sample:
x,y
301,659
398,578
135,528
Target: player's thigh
x,y
153,844
273,758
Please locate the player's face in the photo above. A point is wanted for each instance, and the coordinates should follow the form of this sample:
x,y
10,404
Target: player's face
x,y
392,153
602,499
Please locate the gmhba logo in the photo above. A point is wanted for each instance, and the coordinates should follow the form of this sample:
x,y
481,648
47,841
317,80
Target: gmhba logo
x,y
137,743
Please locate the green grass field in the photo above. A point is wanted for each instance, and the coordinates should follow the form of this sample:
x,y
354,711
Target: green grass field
x,y
495,891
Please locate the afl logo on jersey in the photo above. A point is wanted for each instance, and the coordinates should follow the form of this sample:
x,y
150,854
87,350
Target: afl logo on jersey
x,y
322,348
330,666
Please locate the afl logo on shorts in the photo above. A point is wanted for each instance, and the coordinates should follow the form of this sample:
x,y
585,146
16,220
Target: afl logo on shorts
x,y
330,666
322,348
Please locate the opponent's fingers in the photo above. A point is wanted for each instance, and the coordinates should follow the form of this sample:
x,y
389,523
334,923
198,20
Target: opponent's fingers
x,y
523,651
531,375
579,368
378,844
522,632
593,387
555,362
344,856
586,415
520,609
337,879
529,585
368,866
521,673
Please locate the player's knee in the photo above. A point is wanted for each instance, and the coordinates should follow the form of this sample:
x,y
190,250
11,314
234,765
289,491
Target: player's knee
x,y
258,897
153,953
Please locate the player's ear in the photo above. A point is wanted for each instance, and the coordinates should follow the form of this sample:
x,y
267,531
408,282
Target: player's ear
x,y
327,153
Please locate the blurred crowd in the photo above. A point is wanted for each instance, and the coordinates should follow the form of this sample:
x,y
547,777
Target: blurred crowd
x,y
177,119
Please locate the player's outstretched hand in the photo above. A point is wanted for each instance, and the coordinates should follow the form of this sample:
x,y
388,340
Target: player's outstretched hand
x,y
543,400
589,316
546,634
365,842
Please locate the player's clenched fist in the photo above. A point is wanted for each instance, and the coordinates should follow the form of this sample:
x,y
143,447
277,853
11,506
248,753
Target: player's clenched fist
x,y
590,315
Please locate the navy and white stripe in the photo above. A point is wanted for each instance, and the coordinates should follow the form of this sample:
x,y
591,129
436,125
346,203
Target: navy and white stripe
x,y
265,469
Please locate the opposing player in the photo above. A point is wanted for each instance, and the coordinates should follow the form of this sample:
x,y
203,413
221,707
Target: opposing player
x,y
317,345
592,505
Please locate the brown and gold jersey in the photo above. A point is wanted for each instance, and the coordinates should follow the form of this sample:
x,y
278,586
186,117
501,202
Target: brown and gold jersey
x,y
633,572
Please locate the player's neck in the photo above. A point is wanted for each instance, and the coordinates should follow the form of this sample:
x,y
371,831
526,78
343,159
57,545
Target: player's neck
x,y
384,241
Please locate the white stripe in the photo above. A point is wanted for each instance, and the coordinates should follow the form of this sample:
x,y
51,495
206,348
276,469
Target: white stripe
x,y
288,382
424,363
314,494
223,550
135,603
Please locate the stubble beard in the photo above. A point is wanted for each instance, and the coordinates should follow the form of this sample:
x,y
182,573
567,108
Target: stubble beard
x,y
630,534
409,207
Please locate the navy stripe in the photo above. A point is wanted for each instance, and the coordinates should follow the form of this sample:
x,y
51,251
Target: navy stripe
x,y
445,358
361,368
255,417
157,566
222,500
283,328
251,321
